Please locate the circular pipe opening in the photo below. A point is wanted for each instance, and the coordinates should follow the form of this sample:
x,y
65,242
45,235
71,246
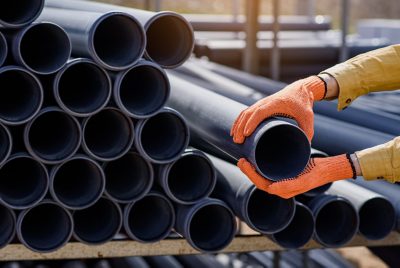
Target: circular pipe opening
x,y
19,13
82,88
170,39
377,218
44,48
77,183
52,136
269,213
129,178
3,48
335,223
142,91
299,231
280,147
45,227
191,178
21,95
150,219
5,143
108,135
163,137
122,48
98,223
24,182
212,228
7,226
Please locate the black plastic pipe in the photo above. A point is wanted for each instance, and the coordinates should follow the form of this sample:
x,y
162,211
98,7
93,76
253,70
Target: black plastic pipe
x,y
163,261
82,88
128,178
163,137
16,14
336,220
170,38
42,47
149,219
98,223
22,96
208,226
376,213
7,225
45,227
24,181
323,188
77,183
52,136
3,49
263,212
142,90
6,143
114,40
188,179
107,135
299,231
275,145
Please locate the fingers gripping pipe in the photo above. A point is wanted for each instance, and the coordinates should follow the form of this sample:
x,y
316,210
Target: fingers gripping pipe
x,y
16,14
323,188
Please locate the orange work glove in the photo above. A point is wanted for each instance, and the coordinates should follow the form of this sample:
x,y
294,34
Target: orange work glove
x,y
294,101
319,171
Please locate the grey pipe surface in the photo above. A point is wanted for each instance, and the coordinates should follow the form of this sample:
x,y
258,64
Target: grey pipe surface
x,y
128,178
24,181
98,223
45,227
163,261
42,47
77,183
107,135
22,96
16,14
376,213
82,88
188,179
7,225
3,49
149,219
274,146
52,136
170,38
163,137
209,225
94,35
261,211
142,90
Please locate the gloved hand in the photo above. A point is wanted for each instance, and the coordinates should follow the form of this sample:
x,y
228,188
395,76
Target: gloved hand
x,y
319,171
294,101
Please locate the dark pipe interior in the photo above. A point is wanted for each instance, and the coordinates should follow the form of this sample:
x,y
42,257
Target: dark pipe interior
x,y
164,136
108,134
144,90
169,41
319,190
299,231
377,217
23,181
84,88
78,182
336,223
269,213
7,225
54,135
46,227
282,152
3,49
119,47
20,12
98,223
191,178
45,48
150,218
212,227
5,143
21,96
127,177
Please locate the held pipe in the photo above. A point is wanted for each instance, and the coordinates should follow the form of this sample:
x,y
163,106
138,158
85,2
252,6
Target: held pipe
x,y
94,35
188,179
16,14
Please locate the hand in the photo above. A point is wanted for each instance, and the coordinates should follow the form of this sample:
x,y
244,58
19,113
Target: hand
x,y
294,101
319,171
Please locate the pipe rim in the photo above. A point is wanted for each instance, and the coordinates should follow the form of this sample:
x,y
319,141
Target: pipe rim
x,y
7,152
3,48
13,231
13,25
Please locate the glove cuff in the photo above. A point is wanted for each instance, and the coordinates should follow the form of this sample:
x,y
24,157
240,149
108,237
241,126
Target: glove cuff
x,y
317,87
339,167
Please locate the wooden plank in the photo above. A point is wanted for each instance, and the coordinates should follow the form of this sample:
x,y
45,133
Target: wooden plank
x,y
178,246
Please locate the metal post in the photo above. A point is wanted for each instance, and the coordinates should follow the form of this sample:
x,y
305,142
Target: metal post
x,y
250,57
275,57
344,54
